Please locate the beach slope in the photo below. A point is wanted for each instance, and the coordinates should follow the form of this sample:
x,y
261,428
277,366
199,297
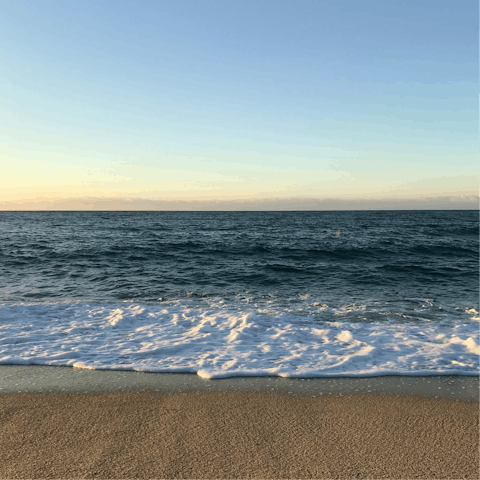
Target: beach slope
x,y
237,433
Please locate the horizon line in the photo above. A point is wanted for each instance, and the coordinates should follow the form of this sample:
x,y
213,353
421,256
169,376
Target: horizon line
x,y
252,211
124,204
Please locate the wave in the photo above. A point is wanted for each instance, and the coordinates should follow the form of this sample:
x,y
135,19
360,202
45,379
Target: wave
x,y
226,339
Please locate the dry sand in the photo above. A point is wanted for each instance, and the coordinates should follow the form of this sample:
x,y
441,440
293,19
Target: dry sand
x,y
236,434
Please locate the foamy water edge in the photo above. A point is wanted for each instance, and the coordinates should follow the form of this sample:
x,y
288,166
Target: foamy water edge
x,y
218,343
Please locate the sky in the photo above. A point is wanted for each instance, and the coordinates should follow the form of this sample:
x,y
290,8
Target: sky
x,y
113,104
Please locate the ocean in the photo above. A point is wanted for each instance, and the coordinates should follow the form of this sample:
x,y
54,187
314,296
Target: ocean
x,y
225,294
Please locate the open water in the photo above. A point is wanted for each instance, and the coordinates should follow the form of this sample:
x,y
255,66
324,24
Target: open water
x,y
294,294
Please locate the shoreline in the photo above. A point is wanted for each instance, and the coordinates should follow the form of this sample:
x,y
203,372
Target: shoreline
x,y
40,378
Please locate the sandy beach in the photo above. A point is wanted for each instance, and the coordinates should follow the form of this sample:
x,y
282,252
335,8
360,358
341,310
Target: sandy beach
x,y
242,428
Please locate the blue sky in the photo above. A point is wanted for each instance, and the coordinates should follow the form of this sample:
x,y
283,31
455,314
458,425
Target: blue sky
x,y
222,100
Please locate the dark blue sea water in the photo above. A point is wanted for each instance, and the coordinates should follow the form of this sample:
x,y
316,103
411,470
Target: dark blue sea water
x,y
144,256
355,266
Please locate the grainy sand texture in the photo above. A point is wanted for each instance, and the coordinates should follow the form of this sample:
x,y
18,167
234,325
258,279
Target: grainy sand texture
x,y
236,434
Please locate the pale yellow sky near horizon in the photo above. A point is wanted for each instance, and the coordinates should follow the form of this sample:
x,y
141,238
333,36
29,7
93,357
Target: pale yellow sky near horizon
x,y
218,177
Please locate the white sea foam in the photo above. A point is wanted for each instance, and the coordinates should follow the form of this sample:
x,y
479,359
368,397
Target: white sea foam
x,y
219,342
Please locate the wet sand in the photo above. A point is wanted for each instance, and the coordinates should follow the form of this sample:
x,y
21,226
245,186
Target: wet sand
x,y
381,427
